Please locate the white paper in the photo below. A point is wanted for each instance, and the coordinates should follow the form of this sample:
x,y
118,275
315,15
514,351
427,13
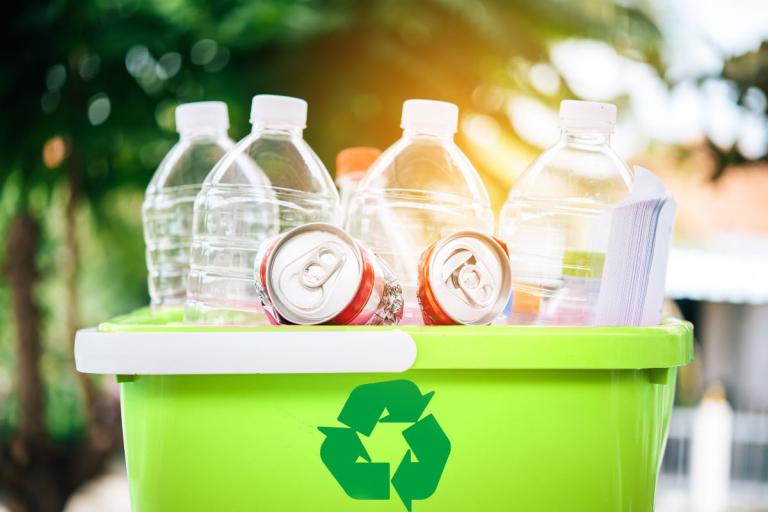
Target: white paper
x,y
645,186
657,275
632,286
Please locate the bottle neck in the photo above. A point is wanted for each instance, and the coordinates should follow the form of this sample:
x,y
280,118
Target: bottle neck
x,y
437,135
349,177
204,132
584,137
285,130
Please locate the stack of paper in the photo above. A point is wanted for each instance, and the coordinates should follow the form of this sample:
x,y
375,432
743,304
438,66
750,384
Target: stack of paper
x,y
632,286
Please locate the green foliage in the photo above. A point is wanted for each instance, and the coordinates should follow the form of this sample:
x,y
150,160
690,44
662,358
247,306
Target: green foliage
x,y
748,74
147,56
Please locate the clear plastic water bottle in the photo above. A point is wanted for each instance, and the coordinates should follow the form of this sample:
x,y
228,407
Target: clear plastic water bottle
x,y
351,166
421,189
269,183
555,221
168,203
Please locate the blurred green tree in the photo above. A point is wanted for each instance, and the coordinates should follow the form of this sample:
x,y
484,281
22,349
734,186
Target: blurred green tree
x,y
748,74
87,101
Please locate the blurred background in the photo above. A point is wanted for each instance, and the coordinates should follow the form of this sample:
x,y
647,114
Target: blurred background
x,y
88,92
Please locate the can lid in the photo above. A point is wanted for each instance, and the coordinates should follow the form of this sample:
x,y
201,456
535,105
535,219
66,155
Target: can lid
x,y
313,272
470,277
586,115
271,109
202,114
356,159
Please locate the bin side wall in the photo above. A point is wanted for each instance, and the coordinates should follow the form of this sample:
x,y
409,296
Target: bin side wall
x,y
520,440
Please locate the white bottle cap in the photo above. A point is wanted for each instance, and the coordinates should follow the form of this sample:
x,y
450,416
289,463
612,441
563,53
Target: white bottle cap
x,y
430,116
587,115
270,109
202,115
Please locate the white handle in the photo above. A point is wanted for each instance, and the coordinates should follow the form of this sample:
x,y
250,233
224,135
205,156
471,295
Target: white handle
x,y
186,353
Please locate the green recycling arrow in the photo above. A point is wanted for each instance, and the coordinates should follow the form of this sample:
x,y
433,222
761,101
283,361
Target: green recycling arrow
x,y
366,404
342,448
360,480
430,445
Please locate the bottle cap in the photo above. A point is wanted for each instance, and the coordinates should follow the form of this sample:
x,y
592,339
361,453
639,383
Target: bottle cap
x,y
587,115
430,116
202,114
270,109
357,159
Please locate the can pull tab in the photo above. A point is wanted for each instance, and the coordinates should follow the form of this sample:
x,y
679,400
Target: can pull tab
x,y
320,264
471,278
303,280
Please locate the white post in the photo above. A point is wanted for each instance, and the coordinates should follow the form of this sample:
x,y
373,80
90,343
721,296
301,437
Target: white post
x,y
710,463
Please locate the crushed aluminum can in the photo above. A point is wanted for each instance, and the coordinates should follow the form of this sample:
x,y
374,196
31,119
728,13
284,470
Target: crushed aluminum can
x,y
318,274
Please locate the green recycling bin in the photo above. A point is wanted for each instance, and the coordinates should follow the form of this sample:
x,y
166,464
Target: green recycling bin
x,y
420,419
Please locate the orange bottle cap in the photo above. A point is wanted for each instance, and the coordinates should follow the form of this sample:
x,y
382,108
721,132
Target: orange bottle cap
x,y
357,159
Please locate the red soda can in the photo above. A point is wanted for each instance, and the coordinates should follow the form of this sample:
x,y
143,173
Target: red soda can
x,y
464,278
317,274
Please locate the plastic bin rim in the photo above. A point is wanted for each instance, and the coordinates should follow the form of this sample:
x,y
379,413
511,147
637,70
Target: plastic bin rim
x,y
419,348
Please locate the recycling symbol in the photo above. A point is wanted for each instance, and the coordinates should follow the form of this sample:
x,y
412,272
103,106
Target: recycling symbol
x,y
342,449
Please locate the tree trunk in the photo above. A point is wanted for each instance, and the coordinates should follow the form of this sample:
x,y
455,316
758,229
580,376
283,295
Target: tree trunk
x,y
71,259
103,435
28,463
22,273
39,474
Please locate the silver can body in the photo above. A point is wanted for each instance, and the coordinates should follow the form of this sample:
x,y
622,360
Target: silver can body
x,y
317,274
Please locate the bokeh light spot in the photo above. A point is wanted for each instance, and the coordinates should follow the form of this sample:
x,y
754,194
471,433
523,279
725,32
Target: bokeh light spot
x,y
591,68
165,115
99,108
203,52
535,122
54,152
482,129
754,100
219,62
56,77
544,78
168,65
89,66
753,136
489,97
137,60
49,101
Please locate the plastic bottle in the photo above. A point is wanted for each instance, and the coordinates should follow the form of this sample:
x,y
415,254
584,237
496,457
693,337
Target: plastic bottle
x,y
556,220
420,190
269,183
168,203
351,166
